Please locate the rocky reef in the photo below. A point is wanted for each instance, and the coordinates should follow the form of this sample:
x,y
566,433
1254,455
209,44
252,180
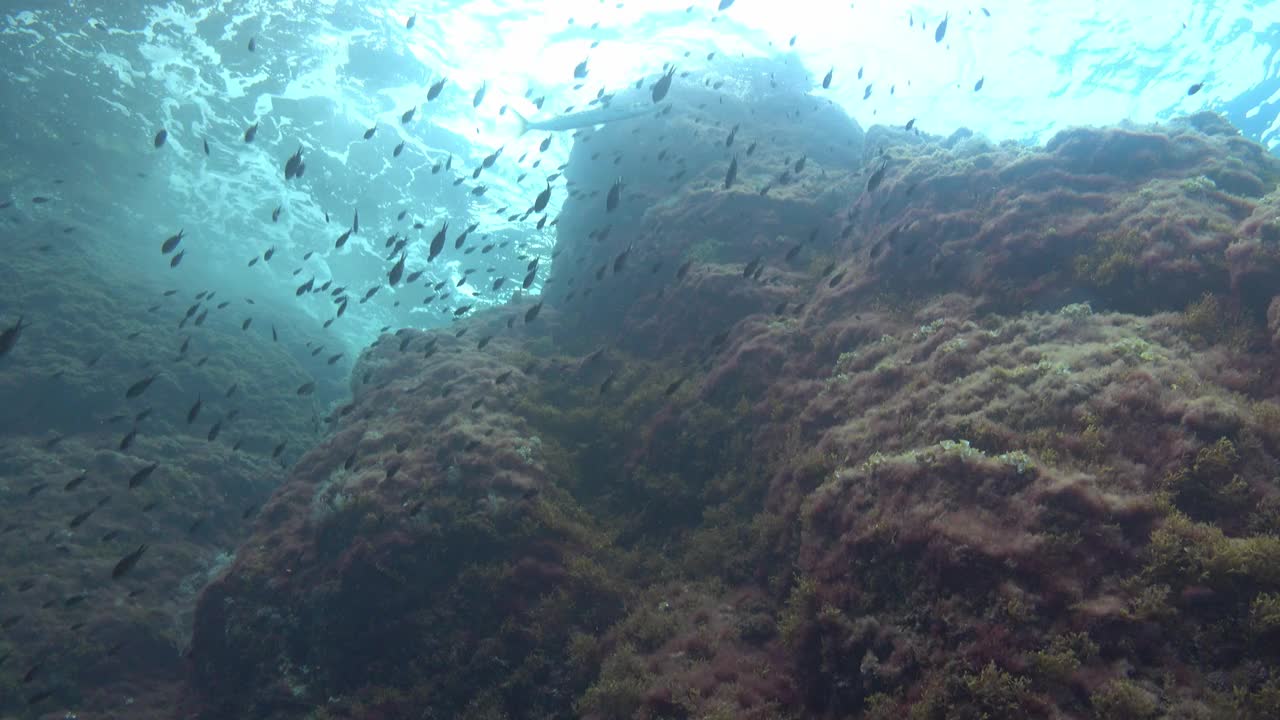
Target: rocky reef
x,y
880,425
88,475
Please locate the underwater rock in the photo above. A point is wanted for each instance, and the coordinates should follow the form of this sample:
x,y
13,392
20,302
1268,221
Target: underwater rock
x,y
998,438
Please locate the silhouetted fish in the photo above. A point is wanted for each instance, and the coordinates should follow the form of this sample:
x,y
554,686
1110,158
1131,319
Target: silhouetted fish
x,y
171,243
9,338
127,563
140,387
614,197
141,476
663,85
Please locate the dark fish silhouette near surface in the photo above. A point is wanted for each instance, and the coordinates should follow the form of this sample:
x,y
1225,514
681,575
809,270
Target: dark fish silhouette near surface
x,y
170,244
663,85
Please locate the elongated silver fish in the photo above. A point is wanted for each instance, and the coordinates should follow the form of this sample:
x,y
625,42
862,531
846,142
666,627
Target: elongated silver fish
x,y
584,119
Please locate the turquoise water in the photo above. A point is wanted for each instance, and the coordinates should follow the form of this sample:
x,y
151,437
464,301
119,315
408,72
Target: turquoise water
x,y
89,88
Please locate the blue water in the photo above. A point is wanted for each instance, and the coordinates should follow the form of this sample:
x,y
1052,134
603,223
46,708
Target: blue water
x,y
88,88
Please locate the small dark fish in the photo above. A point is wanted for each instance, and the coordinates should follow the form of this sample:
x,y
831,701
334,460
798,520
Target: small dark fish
x,y
941,32
978,85
877,177
170,244
141,476
35,489
752,266
306,388
663,85
213,431
140,387
580,70
791,254
543,198
355,222
194,412
75,482
177,259
684,269
39,200
437,242
253,44
267,255
251,133
614,197
127,563
620,262
275,214
399,149
247,322
433,92
910,124
274,337
608,383
673,387
206,147
275,453
410,22
826,81
479,97
532,313
161,137
127,440
9,338
79,520
397,271
1190,91
732,174
369,133
835,279
342,239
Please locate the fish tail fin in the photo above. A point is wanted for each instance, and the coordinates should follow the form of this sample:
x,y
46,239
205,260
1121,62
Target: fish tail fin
x,y
524,122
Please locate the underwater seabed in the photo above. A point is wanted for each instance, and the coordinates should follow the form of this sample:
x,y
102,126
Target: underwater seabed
x,y
993,434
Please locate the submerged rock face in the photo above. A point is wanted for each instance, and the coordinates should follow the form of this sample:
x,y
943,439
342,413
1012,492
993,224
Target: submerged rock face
x,y
998,439
76,494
